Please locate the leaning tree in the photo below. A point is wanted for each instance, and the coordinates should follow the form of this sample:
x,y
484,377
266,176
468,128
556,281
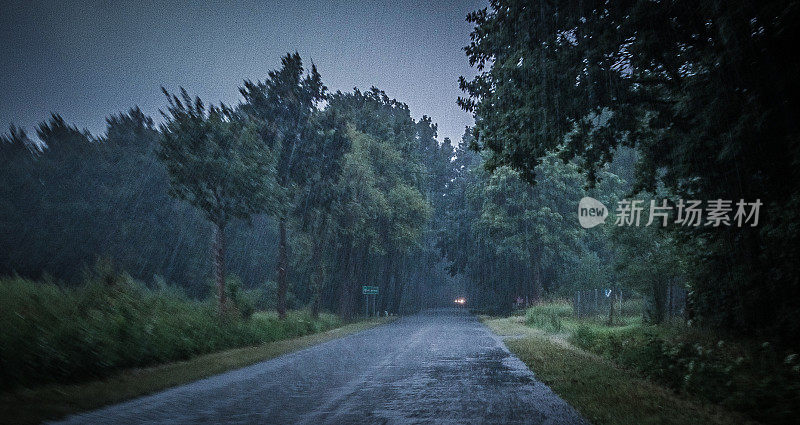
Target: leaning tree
x,y
283,105
216,163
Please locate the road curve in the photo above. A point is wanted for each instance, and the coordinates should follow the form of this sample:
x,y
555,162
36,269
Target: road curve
x,y
439,366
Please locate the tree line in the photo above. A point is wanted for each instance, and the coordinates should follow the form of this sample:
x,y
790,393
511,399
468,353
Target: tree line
x,y
306,195
301,192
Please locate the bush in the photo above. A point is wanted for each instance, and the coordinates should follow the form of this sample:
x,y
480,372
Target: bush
x,y
632,307
548,316
265,297
759,382
584,336
51,333
755,379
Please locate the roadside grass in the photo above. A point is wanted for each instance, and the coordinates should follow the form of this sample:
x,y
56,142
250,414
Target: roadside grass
x,y
558,317
53,401
52,333
596,387
752,377
756,379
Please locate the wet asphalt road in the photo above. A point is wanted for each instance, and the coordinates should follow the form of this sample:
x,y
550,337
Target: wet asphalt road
x,y
439,366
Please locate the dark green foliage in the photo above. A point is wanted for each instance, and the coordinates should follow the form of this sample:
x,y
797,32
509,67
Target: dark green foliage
x,y
518,241
548,316
384,202
215,160
52,333
218,164
374,113
751,378
78,197
61,209
706,93
283,106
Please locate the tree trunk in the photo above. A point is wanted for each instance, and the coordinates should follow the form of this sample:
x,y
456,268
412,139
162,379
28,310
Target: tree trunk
x,y
669,302
398,288
319,275
345,294
282,265
219,264
387,281
659,300
360,278
537,284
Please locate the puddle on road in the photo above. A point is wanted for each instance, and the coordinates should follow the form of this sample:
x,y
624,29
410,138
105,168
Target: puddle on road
x,y
490,368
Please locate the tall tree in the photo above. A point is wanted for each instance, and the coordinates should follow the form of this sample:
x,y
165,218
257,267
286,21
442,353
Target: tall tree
x,y
283,105
378,213
705,92
216,163
326,143
386,163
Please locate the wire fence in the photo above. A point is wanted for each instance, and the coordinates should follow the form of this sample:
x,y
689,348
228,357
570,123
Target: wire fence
x,y
616,301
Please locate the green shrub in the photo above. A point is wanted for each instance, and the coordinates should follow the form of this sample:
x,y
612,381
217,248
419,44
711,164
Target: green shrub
x,y
584,336
265,296
50,333
632,307
548,317
759,382
755,379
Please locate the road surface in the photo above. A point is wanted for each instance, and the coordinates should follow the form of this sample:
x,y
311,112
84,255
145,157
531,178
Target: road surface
x,y
440,366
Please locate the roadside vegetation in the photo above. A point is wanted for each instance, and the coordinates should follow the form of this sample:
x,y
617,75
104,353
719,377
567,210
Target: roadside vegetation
x,y
649,366
52,401
310,192
53,333
602,392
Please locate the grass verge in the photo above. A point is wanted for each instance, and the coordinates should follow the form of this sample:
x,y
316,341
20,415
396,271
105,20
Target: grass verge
x,y
600,391
28,406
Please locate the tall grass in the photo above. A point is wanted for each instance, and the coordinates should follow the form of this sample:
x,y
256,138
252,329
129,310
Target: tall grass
x,y
548,317
753,378
50,333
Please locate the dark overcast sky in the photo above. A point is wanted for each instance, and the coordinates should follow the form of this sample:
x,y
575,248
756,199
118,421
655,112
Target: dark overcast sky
x,y
86,60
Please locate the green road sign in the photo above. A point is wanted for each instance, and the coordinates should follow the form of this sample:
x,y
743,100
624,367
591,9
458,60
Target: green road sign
x,y
369,290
